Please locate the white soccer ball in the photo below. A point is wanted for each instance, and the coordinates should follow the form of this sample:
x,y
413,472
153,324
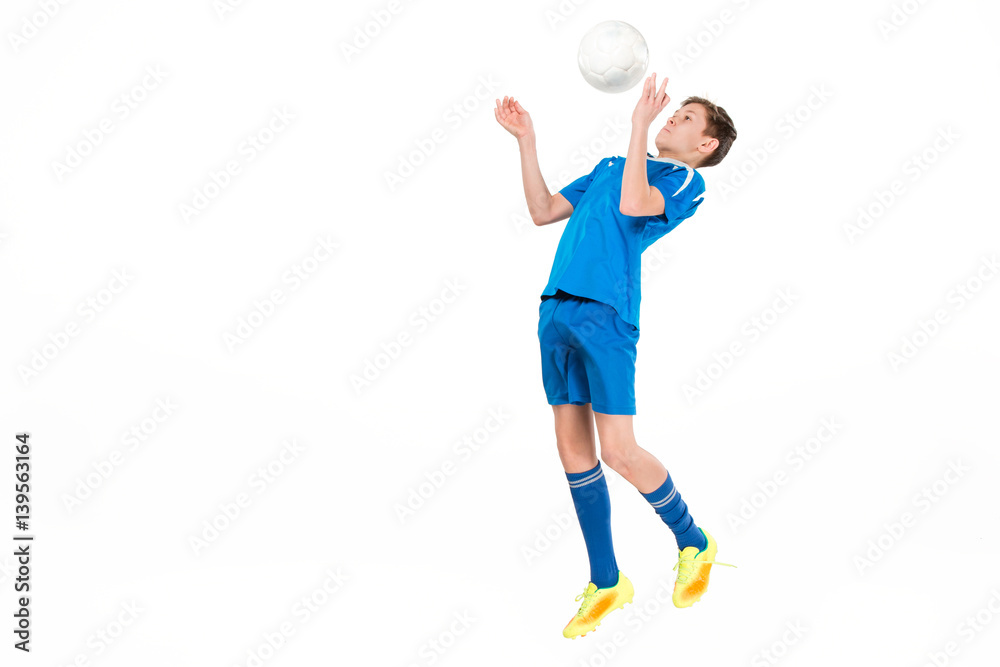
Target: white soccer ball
x,y
613,56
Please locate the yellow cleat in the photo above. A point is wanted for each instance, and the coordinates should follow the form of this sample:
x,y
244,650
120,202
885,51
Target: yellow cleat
x,y
693,568
598,603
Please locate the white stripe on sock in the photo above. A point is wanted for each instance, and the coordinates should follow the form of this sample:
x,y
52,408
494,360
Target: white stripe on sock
x,y
666,500
587,480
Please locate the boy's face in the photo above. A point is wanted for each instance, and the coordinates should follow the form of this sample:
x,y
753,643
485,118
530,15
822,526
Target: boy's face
x,y
684,131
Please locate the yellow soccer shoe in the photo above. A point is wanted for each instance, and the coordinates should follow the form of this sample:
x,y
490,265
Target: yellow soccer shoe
x,y
598,603
693,568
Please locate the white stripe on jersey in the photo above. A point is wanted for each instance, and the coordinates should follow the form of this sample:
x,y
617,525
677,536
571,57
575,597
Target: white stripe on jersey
x,y
677,164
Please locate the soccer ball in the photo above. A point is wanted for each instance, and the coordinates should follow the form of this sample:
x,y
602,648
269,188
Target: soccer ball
x,y
613,56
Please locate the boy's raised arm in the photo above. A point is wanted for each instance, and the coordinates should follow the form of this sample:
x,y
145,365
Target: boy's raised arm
x,y
542,206
637,197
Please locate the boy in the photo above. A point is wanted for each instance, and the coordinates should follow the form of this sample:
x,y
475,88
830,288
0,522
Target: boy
x,y
589,325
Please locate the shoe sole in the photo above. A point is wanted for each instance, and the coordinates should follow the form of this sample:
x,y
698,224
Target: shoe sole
x,y
690,605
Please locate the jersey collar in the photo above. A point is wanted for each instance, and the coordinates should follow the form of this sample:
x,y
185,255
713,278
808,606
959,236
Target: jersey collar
x,y
669,160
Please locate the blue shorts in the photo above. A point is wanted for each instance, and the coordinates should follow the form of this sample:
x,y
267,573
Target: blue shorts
x,y
588,354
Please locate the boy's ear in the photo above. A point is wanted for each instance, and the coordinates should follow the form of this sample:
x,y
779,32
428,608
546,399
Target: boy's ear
x,y
709,145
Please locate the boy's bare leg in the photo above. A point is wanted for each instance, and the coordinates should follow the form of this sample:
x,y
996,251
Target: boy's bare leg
x,y
575,436
624,455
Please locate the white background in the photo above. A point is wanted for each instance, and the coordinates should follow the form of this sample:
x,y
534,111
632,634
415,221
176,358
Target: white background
x,y
495,541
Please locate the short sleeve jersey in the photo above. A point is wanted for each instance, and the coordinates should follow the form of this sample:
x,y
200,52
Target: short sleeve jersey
x,y
599,253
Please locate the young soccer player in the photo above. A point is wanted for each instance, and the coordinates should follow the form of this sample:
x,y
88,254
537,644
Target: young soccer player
x,y
588,325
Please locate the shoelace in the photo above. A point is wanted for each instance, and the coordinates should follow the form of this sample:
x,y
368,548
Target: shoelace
x,y
586,599
688,565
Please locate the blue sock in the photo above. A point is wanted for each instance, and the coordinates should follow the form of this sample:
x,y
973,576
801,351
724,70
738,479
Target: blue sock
x,y
674,512
593,508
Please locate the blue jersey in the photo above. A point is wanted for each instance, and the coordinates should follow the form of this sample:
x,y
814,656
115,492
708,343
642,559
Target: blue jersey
x,y
598,256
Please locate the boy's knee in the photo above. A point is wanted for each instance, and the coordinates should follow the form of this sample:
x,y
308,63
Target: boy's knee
x,y
615,455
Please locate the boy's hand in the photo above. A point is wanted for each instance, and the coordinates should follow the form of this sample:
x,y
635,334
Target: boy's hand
x,y
651,102
514,118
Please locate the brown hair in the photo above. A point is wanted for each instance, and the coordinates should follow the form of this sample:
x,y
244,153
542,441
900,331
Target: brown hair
x,y
719,126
